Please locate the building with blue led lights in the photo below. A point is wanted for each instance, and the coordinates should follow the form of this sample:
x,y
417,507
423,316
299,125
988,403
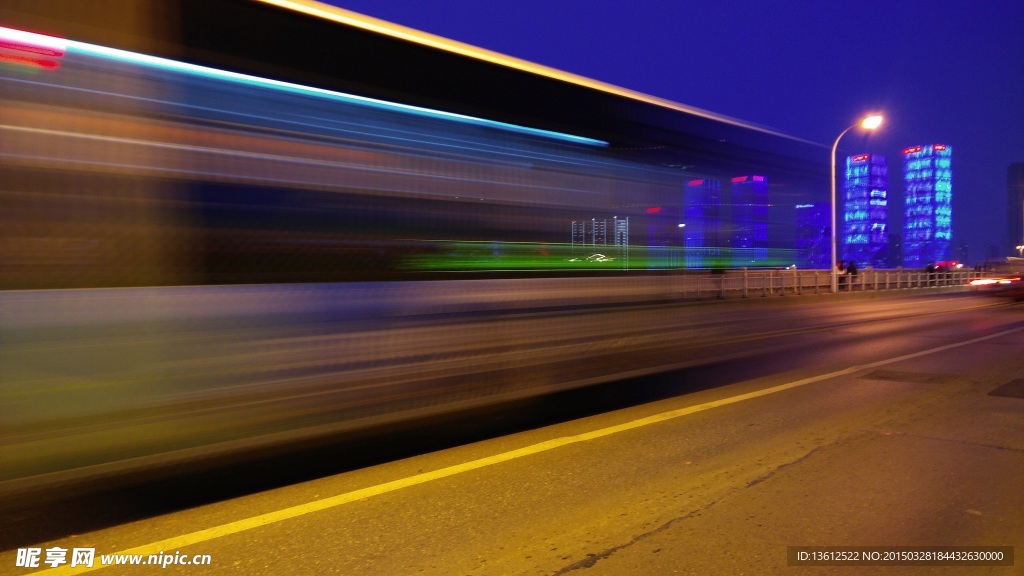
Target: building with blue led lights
x,y
865,215
928,198
1015,202
750,220
664,237
813,235
702,216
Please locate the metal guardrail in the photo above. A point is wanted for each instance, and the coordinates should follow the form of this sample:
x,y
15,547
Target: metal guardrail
x,y
752,283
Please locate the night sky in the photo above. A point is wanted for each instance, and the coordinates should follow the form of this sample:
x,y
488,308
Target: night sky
x,y
941,71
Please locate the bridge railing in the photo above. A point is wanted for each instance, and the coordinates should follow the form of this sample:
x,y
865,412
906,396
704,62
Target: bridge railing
x,y
764,283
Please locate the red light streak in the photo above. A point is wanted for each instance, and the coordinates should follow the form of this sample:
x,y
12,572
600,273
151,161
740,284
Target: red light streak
x,y
29,48
28,60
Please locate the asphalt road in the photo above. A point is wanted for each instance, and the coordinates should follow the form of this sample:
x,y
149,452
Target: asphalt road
x,y
895,424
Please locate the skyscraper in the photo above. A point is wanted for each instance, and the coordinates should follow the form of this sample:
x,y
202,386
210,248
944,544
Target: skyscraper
x,y
664,237
866,212
813,237
602,233
750,220
1015,206
702,235
928,195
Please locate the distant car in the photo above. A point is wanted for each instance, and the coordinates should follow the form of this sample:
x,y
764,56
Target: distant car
x,y
947,265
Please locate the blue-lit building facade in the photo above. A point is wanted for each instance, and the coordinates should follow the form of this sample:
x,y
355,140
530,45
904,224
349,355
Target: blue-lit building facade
x,y
664,237
864,238
1015,202
750,220
928,197
814,235
702,216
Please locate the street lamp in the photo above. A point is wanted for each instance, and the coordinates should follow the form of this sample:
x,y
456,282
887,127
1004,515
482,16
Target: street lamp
x,y
1020,250
869,123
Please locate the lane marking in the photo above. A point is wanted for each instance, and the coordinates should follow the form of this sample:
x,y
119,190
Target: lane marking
x,y
178,542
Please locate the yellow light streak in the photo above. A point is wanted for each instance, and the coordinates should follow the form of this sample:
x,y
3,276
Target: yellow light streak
x,y
355,19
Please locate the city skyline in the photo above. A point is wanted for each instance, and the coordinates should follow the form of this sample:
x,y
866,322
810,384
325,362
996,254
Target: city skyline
x,y
940,72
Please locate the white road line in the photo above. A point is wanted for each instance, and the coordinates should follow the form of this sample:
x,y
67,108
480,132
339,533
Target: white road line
x,y
178,542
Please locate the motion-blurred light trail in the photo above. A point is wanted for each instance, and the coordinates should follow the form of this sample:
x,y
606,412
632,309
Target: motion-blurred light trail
x,y
50,45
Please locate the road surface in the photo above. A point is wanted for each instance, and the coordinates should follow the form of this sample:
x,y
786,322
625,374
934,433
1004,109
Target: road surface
x,y
888,430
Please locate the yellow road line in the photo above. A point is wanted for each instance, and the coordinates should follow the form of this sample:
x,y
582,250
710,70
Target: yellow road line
x,y
178,542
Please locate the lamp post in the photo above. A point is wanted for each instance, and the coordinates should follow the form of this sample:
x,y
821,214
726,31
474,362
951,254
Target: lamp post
x,y
869,123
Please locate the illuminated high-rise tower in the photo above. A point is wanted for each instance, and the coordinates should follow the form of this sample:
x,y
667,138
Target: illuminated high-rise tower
x,y
664,237
928,197
750,220
813,237
1015,203
865,215
702,216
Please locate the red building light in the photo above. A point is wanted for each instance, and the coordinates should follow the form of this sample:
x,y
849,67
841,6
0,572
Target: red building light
x,y
860,158
912,150
654,210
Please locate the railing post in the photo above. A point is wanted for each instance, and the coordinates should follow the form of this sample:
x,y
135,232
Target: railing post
x,y
745,286
817,285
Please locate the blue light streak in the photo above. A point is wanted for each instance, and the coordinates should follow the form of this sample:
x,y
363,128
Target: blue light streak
x,y
204,71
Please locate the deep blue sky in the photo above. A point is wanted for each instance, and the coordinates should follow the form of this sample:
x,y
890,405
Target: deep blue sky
x,y
941,71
